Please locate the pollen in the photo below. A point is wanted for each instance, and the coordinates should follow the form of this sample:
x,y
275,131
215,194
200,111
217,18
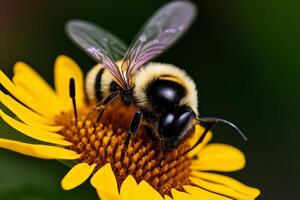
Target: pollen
x,y
103,142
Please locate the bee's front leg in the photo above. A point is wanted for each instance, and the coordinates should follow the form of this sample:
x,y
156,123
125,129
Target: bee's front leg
x,y
134,127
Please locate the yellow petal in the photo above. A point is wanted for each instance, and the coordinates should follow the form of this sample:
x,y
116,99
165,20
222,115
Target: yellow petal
x,y
196,135
199,147
37,92
34,132
177,195
219,157
220,189
38,151
167,197
26,98
128,188
31,81
105,183
65,69
21,68
77,175
26,115
203,194
146,192
229,182
10,103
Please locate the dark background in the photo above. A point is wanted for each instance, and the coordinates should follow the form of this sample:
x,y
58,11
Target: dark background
x,y
244,56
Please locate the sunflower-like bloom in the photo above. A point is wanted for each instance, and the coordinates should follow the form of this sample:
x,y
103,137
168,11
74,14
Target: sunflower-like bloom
x,y
96,148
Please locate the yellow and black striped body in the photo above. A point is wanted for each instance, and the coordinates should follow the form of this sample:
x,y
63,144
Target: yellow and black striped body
x,y
163,94
99,83
156,87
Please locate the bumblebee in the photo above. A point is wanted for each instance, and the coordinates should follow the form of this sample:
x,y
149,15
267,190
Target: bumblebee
x,y
165,95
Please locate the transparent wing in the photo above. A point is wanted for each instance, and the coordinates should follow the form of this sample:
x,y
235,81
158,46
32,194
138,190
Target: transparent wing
x,y
101,45
159,33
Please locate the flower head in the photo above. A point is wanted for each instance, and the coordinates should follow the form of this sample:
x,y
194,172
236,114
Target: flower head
x,y
97,150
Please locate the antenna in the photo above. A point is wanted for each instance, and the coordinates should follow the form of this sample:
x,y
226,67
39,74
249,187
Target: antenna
x,y
210,121
72,94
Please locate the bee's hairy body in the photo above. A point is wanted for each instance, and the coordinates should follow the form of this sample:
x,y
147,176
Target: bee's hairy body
x,y
164,95
160,91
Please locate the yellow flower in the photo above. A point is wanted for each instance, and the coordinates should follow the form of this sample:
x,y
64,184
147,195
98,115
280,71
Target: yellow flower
x,y
96,149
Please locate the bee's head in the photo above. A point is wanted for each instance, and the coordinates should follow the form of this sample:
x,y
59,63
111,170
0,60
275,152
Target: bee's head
x,y
174,125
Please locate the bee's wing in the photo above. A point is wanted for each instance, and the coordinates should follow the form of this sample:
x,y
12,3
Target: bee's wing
x,y
100,44
159,33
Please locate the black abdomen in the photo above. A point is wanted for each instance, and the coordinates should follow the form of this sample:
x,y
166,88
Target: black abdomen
x,y
164,93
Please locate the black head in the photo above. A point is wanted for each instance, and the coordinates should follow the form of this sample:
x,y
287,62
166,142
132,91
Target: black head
x,y
174,125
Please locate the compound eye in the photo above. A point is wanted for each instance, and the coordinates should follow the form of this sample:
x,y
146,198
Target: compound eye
x,y
175,123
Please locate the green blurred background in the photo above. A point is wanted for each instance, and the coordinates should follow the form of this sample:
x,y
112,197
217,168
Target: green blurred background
x,y
242,54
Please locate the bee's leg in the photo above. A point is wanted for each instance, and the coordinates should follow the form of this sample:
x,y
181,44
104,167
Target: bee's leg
x,y
100,106
163,150
207,127
156,140
152,136
134,127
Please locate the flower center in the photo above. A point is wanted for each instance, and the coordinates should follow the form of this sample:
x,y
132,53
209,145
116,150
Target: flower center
x,y
103,142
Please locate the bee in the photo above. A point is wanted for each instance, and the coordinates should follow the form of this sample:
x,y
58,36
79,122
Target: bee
x,y
165,96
